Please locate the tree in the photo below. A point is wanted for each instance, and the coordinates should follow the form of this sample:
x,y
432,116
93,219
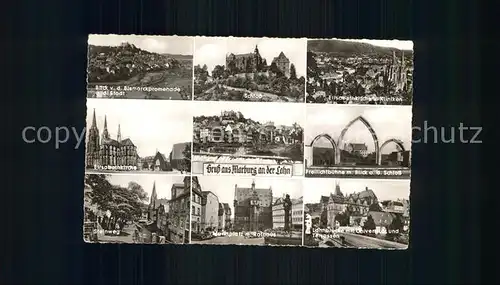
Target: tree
x,y
369,224
293,72
324,218
218,72
396,224
343,219
375,207
123,203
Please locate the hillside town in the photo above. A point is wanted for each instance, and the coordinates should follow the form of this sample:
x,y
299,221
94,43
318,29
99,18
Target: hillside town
x,y
258,216
112,64
358,219
248,77
127,215
168,76
231,132
120,153
343,78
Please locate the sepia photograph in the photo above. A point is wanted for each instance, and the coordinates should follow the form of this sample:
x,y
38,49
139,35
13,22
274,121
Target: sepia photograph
x,y
356,213
248,138
375,72
249,69
142,209
140,67
354,141
246,211
138,136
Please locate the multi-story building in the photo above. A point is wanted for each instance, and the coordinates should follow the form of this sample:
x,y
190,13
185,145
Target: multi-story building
x,y
106,151
209,210
278,214
241,63
283,64
227,214
297,213
179,207
252,208
196,198
357,204
222,218
357,149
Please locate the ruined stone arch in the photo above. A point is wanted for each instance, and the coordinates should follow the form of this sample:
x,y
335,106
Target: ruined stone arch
x,y
334,145
394,140
372,132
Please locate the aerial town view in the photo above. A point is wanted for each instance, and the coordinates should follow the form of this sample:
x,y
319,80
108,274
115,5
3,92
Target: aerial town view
x,y
357,213
378,72
249,69
358,141
145,209
248,133
118,141
249,211
140,67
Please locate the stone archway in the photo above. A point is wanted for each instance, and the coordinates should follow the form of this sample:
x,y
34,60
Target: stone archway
x,y
372,132
332,141
396,141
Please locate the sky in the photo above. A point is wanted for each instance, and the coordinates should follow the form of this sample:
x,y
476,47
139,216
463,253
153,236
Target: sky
x,y
223,187
150,124
387,122
163,183
213,51
279,113
404,45
314,188
157,44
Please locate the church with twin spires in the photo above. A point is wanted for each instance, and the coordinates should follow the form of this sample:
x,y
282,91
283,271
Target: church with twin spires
x,y
105,151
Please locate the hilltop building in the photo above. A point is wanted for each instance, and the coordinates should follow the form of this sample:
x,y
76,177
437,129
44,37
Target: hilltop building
x,y
249,62
283,64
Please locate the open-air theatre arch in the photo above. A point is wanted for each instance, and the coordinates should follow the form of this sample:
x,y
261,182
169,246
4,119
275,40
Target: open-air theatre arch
x,y
336,144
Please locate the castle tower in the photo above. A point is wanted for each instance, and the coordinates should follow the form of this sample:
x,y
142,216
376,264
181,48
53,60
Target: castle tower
x,y
105,134
256,50
119,135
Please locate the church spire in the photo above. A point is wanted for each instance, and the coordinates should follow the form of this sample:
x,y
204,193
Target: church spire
x,y
94,123
119,135
253,184
105,134
256,50
337,189
154,196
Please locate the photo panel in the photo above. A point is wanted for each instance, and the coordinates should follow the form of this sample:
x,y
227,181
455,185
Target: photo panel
x,y
358,141
138,136
246,211
136,208
376,72
249,69
140,67
356,213
248,139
